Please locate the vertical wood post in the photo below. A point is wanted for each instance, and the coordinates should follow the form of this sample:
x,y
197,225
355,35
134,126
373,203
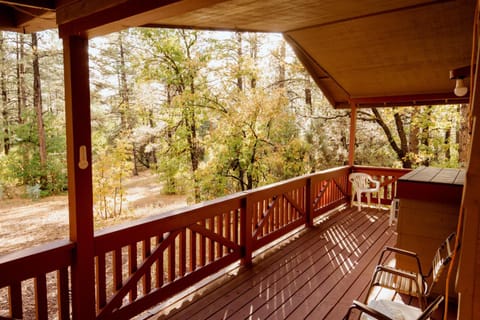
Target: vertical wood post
x,y
353,129
79,163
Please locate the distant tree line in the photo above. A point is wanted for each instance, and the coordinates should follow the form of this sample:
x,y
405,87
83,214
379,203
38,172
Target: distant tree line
x,y
210,113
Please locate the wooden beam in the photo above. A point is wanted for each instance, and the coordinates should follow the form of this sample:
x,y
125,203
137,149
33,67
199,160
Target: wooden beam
x,y
7,18
35,4
79,164
103,17
25,20
410,100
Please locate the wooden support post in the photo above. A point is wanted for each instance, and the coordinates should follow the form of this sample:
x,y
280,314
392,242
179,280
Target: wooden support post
x,y
79,163
353,129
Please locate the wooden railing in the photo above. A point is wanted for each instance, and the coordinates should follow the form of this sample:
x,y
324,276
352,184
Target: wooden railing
x,y
145,262
39,275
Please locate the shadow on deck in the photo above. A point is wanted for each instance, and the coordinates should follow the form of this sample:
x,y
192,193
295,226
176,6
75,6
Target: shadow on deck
x,y
314,274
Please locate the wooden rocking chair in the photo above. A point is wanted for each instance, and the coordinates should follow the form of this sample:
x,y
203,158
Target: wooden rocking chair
x,y
414,284
391,310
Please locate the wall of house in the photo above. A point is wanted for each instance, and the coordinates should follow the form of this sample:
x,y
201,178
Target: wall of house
x,y
468,276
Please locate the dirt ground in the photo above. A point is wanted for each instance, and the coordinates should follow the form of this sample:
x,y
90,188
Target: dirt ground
x,y
25,223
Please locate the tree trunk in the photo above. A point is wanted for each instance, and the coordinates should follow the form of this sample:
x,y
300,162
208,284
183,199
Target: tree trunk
x,y
4,99
126,121
402,150
253,56
240,58
250,177
21,91
402,135
122,75
282,73
463,136
425,134
447,143
414,132
37,103
190,119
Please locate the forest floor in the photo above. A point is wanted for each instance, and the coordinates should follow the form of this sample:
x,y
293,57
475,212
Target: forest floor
x,y
25,223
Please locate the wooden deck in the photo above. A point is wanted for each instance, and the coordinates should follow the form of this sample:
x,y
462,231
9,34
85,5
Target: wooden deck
x,y
315,274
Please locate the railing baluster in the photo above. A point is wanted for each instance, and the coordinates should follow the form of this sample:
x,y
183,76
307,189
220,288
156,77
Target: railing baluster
x,y
218,230
246,230
275,211
193,251
63,299
132,267
211,248
117,269
237,215
228,229
160,265
147,279
41,302
182,258
308,203
15,300
101,281
260,216
203,250
171,261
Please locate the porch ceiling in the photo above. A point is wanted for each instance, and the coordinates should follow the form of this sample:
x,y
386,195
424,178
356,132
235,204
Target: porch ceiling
x,y
370,52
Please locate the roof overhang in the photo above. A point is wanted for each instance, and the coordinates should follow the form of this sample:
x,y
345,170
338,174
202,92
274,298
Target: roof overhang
x,y
366,53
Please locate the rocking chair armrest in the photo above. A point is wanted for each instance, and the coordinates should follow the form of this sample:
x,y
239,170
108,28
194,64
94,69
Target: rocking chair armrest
x,y
397,272
366,309
402,252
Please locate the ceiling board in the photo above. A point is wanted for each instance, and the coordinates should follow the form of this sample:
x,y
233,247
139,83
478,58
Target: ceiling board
x,y
282,15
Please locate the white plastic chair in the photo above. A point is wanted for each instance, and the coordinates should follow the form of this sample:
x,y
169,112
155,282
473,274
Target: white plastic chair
x,y
363,183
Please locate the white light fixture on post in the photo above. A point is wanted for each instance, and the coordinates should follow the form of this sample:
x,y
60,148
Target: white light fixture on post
x,y
459,75
460,88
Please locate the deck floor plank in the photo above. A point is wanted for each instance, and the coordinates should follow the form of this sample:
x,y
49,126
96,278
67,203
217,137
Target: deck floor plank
x,y
315,274
270,293
321,294
263,268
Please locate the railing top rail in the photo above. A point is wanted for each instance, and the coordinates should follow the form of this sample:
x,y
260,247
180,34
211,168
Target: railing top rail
x,y
195,209
42,259
46,248
164,222
329,173
380,169
306,176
